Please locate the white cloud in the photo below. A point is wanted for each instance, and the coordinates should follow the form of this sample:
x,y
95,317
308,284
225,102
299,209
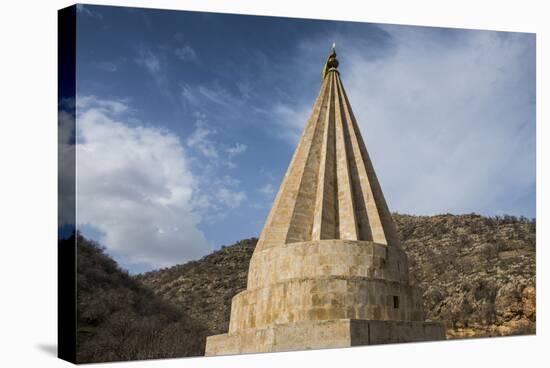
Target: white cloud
x,y
148,59
186,53
245,89
230,181
290,120
188,96
448,115
154,62
200,139
449,121
107,66
230,164
183,51
218,95
216,196
135,186
66,159
236,149
267,189
230,198
105,106
81,9
210,96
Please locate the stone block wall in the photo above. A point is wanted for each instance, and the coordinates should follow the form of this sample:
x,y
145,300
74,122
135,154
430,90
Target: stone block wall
x,y
323,280
323,258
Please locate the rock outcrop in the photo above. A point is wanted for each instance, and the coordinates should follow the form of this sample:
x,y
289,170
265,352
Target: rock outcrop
x,y
477,275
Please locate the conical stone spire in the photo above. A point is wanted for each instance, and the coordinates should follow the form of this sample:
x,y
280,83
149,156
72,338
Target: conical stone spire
x,y
328,270
330,190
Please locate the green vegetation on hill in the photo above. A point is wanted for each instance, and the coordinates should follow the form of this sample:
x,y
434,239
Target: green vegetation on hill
x,y
203,289
477,273
119,319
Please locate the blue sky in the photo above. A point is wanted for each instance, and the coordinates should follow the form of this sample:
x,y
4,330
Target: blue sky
x,y
187,121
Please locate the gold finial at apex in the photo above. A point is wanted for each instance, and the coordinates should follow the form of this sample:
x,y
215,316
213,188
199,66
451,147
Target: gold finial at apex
x,y
332,62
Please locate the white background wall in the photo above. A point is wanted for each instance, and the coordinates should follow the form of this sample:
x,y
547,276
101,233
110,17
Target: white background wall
x,y
28,138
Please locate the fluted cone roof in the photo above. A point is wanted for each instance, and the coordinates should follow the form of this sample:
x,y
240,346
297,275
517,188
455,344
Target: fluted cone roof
x,y
330,189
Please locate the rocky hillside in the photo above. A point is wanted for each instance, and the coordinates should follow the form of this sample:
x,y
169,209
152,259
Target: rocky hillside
x,y
203,289
478,275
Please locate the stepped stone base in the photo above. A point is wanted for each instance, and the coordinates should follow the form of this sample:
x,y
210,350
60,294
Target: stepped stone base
x,y
337,333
